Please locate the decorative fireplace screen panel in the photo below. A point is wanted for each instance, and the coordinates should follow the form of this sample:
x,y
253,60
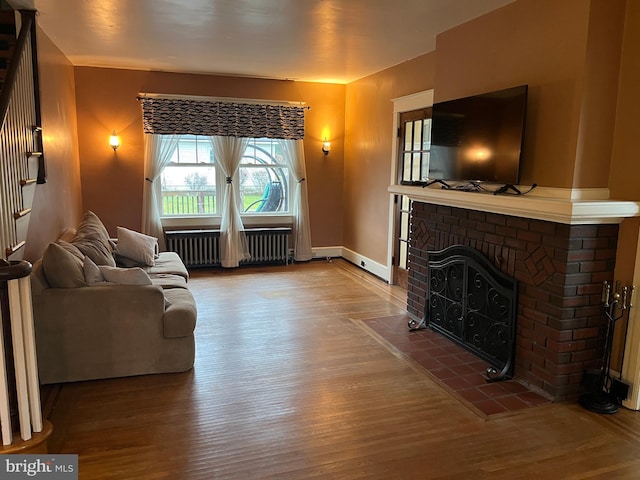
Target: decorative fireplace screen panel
x,y
474,304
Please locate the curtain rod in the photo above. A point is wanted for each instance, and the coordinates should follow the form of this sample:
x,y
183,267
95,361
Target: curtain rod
x,y
222,99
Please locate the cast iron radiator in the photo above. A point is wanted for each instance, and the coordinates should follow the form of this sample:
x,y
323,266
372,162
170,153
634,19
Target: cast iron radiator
x,y
201,248
474,304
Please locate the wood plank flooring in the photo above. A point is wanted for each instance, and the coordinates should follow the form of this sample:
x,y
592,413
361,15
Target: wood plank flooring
x,y
289,385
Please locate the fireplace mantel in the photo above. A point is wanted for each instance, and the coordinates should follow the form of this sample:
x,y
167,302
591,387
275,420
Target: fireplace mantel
x,y
551,204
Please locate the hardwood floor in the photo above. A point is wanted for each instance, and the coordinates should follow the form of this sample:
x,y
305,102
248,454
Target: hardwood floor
x,y
288,384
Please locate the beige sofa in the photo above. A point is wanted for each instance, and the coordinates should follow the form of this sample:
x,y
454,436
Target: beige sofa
x,y
94,319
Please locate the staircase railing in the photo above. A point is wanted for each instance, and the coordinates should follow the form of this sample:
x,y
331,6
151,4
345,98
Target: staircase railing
x,y
21,160
21,168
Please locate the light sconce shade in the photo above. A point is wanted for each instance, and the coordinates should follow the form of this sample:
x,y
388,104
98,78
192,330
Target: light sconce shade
x,y
114,140
326,147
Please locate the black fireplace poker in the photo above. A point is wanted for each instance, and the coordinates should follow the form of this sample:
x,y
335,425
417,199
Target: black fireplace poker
x,y
605,398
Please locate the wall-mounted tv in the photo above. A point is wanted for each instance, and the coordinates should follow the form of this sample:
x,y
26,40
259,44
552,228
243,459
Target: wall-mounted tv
x,y
479,138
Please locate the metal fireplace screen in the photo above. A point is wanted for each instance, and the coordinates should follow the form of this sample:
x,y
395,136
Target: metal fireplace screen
x,y
474,304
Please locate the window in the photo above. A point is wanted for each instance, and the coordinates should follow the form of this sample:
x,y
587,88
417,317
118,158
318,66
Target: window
x,y
415,133
190,183
264,178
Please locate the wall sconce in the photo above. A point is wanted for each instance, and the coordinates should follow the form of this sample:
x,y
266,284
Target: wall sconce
x,y
326,147
114,140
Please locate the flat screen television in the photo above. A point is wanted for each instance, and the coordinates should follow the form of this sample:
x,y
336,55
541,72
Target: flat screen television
x,y
479,138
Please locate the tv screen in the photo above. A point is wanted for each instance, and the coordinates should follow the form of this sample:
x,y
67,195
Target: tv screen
x,y
479,138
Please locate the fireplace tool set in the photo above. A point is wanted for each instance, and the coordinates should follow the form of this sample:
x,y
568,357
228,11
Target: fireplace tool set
x,y
607,392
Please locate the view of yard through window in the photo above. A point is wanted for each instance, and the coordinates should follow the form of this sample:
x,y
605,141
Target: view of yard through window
x,y
191,185
190,203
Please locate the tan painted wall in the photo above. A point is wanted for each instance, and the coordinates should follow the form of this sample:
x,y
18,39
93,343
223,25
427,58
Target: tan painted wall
x,y
541,43
625,168
368,151
57,204
600,92
625,171
113,182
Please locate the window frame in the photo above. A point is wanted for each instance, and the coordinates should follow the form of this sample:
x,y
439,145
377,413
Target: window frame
x,y
249,219
415,146
274,166
191,165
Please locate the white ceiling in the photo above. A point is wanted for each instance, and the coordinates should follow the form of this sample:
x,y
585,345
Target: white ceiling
x,y
312,40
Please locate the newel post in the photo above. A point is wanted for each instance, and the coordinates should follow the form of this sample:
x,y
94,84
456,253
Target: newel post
x,y
20,410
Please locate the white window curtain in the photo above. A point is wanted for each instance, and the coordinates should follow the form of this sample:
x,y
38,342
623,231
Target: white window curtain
x,y
228,153
294,156
158,150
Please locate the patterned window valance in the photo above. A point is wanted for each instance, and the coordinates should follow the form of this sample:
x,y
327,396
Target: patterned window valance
x,y
227,119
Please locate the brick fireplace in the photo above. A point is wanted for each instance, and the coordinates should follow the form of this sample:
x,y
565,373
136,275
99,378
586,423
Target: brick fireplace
x,y
560,268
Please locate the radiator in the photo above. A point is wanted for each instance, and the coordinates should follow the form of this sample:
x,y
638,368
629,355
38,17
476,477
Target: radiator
x,y
201,248
196,248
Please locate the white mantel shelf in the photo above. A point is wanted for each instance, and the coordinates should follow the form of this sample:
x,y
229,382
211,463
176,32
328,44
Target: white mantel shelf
x,y
550,204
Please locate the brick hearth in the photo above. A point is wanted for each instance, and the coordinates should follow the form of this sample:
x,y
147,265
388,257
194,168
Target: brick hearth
x,y
560,269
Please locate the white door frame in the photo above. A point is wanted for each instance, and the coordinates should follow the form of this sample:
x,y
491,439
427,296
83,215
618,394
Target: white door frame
x,y
406,103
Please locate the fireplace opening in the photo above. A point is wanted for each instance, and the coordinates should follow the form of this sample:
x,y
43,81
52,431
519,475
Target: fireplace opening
x,y
473,304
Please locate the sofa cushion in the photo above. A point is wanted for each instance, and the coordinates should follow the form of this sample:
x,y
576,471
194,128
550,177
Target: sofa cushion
x,y
92,239
179,318
167,280
137,246
63,265
168,263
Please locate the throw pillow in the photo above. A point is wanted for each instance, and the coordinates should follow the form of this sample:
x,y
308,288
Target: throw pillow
x,y
95,275
96,250
137,246
71,248
68,234
125,276
126,262
92,239
92,274
63,266
92,226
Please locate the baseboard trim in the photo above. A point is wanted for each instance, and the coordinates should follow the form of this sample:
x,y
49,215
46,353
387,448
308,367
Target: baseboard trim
x,y
326,252
373,267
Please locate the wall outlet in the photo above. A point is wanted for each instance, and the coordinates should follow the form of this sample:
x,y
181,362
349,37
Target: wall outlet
x,y
362,264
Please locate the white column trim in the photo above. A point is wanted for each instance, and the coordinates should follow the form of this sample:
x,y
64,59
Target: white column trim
x,y
631,366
